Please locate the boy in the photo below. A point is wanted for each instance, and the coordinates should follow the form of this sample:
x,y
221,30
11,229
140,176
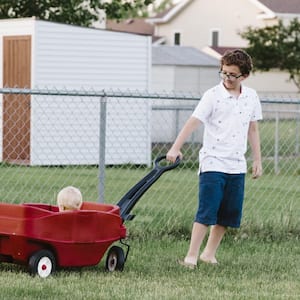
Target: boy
x,y
229,112
69,198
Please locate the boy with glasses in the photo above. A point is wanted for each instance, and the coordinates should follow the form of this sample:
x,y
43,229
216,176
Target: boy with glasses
x,y
229,112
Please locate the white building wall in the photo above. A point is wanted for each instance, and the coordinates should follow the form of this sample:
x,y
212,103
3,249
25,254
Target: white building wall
x,y
197,20
181,79
195,79
208,78
162,78
65,130
188,79
272,82
73,56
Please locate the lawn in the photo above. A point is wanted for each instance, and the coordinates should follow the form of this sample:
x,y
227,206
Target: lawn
x,y
249,268
259,261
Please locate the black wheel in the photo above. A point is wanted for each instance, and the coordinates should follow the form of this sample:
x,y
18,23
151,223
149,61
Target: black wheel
x,y
115,259
42,263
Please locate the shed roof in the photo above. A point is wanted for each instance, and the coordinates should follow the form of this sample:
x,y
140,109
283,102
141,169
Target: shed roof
x,y
178,55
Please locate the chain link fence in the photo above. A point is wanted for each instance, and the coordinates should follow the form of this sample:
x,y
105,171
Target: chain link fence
x,y
104,142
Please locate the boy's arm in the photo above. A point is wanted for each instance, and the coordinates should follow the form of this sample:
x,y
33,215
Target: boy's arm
x,y
191,124
254,141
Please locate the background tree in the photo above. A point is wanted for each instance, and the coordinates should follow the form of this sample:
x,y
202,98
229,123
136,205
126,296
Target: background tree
x,y
276,46
76,12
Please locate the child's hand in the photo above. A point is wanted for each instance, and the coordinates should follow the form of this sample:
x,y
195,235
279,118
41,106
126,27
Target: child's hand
x,y
256,169
173,154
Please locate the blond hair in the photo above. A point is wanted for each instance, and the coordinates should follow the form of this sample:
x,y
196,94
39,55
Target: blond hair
x,y
69,198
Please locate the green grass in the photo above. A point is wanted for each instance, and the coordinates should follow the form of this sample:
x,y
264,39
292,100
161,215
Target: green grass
x,y
249,268
261,260
271,202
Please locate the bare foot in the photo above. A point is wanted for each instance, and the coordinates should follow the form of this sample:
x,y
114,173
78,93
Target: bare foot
x,y
187,264
208,260
190,260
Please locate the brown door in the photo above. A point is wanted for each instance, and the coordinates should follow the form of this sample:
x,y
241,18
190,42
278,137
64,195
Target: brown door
x,y
16,108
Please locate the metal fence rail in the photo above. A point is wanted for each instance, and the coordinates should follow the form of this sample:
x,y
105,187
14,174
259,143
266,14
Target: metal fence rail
x,y
105,141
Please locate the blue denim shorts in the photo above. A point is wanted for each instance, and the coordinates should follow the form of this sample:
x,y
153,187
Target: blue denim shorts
x,y
221,198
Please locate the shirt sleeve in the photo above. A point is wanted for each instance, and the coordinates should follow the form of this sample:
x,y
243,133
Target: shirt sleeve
x,y
257,110
204,108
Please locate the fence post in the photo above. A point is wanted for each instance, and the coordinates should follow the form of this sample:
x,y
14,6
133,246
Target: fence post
x,y
176,122
102,147
276,144
297,132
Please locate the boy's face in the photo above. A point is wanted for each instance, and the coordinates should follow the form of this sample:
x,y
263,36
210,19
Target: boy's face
x,y
232,77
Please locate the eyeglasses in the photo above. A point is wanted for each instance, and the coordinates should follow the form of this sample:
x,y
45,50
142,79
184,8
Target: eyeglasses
x,y
232,77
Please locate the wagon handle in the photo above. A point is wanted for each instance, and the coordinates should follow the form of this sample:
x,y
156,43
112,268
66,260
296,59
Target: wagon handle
x,y
129,200
166,167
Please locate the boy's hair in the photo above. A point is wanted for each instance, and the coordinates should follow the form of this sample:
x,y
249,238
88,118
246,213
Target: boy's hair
x,y
238,58
69,198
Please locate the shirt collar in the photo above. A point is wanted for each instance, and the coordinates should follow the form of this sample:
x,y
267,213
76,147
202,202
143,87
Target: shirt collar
x,y
226,94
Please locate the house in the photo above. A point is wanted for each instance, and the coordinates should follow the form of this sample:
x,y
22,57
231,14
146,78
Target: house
x,y
213,26
201,23
62,130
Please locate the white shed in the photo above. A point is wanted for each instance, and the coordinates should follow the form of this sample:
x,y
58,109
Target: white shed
x,y
183,69
65,130
179,69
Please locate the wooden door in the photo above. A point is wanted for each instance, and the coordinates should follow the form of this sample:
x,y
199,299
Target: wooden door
x,y
16,108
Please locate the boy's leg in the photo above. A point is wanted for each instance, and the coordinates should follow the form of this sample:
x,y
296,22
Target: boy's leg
x,y
210,195
197,236
229,214
209,253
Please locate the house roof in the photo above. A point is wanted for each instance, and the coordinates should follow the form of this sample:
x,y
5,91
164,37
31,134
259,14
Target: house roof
x,y
135,25
139,26
282,7
169,13
178,55
269,9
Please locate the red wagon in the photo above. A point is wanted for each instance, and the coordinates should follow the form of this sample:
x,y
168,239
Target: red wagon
x,y
40,236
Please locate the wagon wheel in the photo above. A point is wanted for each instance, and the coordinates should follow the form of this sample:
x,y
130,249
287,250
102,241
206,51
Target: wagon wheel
x,y
42,263
115,259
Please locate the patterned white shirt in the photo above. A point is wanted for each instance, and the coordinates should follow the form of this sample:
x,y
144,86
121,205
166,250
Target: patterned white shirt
x,y
226,122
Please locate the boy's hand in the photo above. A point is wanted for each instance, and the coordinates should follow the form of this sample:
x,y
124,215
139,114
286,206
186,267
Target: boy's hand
x,y
256,169
173,154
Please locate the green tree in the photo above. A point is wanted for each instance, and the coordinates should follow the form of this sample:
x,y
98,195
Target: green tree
x,y
76,12
276,46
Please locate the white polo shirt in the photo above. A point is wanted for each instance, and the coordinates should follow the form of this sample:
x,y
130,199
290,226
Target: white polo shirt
x,y
226,122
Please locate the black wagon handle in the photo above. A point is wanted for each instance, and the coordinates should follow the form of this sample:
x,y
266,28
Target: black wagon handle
x,y
165,167
129,200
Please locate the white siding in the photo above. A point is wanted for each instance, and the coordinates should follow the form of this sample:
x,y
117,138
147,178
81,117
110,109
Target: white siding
x,y
65,130
209,77
186,79
72,56
189,79
162,78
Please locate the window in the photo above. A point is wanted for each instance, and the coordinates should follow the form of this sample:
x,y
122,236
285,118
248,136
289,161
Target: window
x,y
177,38
215,38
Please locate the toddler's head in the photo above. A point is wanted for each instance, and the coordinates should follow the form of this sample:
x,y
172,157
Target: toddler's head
x,y
69,198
